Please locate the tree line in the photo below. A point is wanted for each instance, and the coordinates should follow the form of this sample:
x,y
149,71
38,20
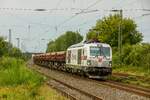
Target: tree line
x,y
106,30
8,50
64,41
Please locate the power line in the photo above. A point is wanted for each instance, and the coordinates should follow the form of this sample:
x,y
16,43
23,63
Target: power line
x,y
82,10
59,2
90,11
148,14
79,13
43,9
129,3
67,9
118,3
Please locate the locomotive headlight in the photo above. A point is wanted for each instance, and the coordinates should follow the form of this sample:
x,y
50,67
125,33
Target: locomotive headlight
x,y
88,62
110,63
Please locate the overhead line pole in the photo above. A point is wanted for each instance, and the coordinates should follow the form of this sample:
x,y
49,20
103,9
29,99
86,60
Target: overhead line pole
x,y
9,45
120,32
18,42
10,36
120,35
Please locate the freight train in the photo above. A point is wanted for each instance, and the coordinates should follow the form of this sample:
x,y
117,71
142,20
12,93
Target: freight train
x,y
92,59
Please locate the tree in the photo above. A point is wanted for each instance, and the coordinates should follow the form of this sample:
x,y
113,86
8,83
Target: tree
x,y
64,41
106,30
15,52
51,46
6,49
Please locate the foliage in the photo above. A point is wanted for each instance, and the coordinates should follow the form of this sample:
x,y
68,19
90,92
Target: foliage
x,y
26,56
132,79
135,55
108,29
14,72
24,92
19,83
64,41
15,52
6,49
135,61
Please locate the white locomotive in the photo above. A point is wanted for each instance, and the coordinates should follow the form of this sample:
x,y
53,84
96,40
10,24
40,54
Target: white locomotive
x,y
91,58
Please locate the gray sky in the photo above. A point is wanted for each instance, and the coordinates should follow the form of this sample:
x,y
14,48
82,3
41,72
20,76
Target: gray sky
x,y
36,28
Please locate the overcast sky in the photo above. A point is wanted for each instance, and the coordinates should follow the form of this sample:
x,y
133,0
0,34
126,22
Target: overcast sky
x,y
36,28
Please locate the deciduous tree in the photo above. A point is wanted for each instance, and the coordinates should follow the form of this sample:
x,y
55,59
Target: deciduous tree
x,y
64,41
107,29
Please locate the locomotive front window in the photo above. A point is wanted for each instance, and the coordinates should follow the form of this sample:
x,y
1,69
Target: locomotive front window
x,y
100,51
105,51
94,51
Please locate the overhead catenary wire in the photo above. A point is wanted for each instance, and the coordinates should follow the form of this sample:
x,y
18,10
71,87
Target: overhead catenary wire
x,y
65,21
118,3
46,10
131,2
59,2
53,26
82,11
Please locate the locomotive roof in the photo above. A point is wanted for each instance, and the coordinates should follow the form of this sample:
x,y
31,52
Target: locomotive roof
x,y
86,43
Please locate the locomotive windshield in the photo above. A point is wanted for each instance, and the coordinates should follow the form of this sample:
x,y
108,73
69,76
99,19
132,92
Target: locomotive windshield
x,y
100,51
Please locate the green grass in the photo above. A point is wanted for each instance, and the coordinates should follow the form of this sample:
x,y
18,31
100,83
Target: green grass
x,y
132,80
14,72
133,71
17,82
23,92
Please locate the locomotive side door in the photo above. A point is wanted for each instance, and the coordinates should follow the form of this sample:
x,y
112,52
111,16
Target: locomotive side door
x,y
79,56
69,56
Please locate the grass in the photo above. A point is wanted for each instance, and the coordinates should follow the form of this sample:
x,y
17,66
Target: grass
x,y
23,92
133,71
17,82
14,72
132,80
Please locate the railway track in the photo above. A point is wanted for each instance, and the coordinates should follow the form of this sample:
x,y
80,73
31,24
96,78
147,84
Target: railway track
x,y
74,94
127,75
112,84
129,88
135,77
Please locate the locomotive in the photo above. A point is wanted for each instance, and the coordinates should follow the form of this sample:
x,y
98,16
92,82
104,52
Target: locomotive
x,y
92,59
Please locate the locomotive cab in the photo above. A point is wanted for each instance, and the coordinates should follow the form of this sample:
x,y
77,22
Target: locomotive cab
x,y
94,59
99,60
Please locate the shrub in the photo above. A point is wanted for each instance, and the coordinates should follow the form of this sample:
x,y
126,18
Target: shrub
x,y
14,72
134,55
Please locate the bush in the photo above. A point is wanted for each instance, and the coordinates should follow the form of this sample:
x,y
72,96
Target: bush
x,y
14,72
134,55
